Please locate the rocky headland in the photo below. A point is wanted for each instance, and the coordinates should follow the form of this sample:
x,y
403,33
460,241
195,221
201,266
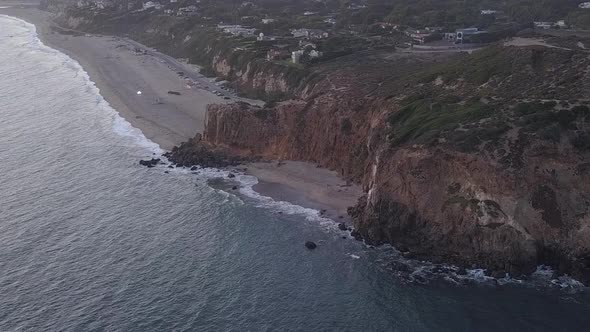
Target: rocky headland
x,y
476,159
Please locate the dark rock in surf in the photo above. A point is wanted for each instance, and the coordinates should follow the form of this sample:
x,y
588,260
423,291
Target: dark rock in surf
x,y
310,245
356,235
234,188
231,175
197,152
342,226
150,163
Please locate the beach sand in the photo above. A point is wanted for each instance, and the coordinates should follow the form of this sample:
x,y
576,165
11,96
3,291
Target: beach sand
x,y
304,184
119,72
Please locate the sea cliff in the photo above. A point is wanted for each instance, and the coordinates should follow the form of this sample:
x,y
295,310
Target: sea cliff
x,y
491,173
477,160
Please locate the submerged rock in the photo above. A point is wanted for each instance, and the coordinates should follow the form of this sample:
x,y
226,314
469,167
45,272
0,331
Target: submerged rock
x,y
310,245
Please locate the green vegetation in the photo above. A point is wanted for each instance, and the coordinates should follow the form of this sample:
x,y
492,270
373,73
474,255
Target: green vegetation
x,y
422,121
476,68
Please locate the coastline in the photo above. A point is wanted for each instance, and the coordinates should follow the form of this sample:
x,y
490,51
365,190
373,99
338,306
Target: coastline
x,y
169,120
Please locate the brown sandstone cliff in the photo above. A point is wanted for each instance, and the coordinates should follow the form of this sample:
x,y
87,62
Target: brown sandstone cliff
x,y
490,190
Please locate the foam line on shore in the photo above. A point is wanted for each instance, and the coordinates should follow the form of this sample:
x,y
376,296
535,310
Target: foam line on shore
x,y
120,125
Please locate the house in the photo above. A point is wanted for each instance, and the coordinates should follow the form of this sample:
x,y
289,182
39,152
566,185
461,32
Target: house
x,y
310,13
544,25
277,54
488,12
330,20
468,35
561,24
450,36
151,4
267,20
237,30
309,33
315,54
168,12
173,1
584,5
103,4
83,4
262,37
187,11
422,36
356,7
296,56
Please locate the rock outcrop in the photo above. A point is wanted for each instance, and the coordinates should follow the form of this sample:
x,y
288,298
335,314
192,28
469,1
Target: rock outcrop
x,y
196,152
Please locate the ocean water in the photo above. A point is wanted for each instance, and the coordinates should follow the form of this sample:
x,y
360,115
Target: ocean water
x,y
92,241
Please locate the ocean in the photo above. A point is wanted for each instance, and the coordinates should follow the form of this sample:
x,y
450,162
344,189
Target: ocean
x,y
92,241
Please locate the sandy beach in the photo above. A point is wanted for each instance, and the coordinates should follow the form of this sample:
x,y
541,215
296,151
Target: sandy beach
x,y
119,71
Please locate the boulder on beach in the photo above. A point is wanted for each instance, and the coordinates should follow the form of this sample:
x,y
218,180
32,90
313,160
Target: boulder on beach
x,y
310,245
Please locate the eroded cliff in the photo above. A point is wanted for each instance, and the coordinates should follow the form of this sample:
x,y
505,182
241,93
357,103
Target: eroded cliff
x,y
480,161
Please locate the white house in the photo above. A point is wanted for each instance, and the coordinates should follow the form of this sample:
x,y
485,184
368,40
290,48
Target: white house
x,y
237,30
151,4
103,4
309,33
488,12
83,3
296,56
267,20
584,5
544,25
187,11
315,54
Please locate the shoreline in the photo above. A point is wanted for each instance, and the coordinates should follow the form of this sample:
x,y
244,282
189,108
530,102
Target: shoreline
x,y
118,71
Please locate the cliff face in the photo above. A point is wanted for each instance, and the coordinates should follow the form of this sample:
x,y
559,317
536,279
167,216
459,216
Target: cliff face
x,y
470,172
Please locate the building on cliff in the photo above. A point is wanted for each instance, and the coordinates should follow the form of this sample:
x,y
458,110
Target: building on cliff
x,y
309,33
